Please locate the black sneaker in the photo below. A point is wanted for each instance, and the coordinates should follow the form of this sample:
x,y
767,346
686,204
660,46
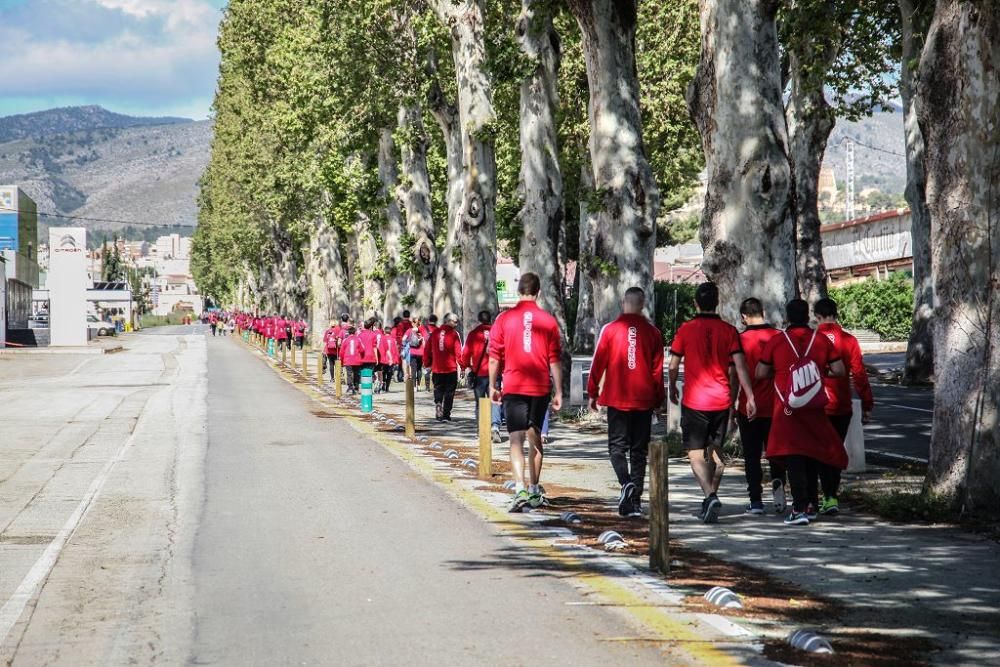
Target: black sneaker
x,y
625,499
712,508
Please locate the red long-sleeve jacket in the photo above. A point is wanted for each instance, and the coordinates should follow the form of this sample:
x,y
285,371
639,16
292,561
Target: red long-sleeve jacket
x,y
629,358
443,350
475,354
838,390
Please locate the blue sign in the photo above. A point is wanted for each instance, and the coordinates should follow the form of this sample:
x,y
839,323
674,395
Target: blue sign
x,y
8,231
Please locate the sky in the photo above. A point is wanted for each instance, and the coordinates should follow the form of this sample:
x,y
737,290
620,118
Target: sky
x,y
138,57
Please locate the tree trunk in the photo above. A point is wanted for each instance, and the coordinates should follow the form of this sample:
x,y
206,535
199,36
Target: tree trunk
x,y
369,269
396,280
327,279
958,90
448,285
415,192
355,279
585,331
625,226
810,121
540,185
735,100
477,215
920,348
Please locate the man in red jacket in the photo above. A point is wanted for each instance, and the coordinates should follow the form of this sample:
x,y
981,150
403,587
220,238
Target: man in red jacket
x,y
476,359
839,407
629,360
754,432
352,352
427,329
525,342
444,349
388,354
331,342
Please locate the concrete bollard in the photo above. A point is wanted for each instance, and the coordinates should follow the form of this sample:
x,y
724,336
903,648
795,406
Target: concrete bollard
x,y
610,536
807,640
451,453
570,517
437,446
723,597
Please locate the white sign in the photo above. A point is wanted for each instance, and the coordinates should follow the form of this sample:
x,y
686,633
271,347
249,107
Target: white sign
x,y
67,283
868,243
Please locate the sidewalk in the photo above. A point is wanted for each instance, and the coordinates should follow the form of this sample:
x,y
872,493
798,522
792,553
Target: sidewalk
x,y
864,583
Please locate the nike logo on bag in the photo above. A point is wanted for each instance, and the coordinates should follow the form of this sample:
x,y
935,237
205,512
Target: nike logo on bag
x,y
799,400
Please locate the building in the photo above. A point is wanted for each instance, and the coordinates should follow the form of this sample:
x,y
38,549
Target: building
x,y
176,293
873,246
184,247
168,247
19,246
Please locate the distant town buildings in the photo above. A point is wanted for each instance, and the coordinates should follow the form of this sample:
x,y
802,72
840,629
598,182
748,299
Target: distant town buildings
x,y
19,247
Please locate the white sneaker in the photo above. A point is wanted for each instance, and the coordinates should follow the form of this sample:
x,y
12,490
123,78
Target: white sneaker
x,y
778,491
496,435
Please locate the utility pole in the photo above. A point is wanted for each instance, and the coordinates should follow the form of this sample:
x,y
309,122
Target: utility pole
x,y
849,181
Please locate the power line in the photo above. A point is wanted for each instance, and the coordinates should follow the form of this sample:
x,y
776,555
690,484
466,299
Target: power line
x,y
875,148
63,216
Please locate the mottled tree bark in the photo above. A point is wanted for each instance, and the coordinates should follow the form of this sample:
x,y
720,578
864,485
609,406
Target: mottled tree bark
x,y
448,285
585,331
625,234
810,121
415,191
327,278
477,214
369,269
920,348
735,100
958,92
396,280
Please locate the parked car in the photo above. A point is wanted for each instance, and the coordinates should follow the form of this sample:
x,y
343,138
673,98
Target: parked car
x,y
100,327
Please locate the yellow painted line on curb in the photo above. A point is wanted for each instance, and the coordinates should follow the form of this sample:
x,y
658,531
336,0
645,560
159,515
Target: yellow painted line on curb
x,y
664,626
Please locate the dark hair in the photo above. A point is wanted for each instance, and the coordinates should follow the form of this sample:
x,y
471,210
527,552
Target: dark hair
x,y
707,296
752,307
529,284
635,294
797,312
396,320
825,308
406,314
344,317
484,316
370,322
433,319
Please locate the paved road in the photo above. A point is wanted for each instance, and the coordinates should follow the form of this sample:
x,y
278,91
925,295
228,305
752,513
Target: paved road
x,y
138,525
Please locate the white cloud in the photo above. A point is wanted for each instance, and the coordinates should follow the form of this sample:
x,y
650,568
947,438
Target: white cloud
x,y
146,52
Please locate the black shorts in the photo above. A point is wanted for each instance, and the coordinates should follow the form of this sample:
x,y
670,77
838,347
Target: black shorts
x,y
524,412
702,429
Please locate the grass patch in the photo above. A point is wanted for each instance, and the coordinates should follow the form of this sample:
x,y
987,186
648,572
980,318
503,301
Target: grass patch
x,y
173,319
901,498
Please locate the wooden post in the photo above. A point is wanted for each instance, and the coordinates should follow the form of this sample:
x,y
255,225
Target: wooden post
x,y
411,426
485,439
659,508
293,355
319,369
338,378
284,351
305,362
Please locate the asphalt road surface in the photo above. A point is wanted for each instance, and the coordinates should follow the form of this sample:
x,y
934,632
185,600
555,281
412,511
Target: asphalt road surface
x,y
180,503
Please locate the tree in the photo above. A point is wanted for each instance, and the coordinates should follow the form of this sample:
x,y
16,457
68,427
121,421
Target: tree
x,y
626,197
915,17
477,214
735,100
958,89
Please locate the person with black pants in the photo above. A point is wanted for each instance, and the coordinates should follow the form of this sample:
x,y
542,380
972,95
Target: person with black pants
x,y
629,360
444,349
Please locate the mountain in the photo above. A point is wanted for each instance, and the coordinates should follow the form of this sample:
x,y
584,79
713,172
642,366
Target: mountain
x,y
91,162
879,160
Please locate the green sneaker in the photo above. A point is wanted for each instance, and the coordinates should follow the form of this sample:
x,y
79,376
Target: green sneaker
x,y
521,500
829,506
536,500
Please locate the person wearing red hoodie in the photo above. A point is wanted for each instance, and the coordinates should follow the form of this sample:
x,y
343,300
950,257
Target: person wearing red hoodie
x,y
388,353
626,376
370,337
476,359
444,349
352,353
331,343
428,328
839,407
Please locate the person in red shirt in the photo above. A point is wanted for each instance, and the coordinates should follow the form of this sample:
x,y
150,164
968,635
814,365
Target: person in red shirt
x,y
626,376
429,326
400,325
476,360
331,343
802,436
753,432
352,353
388,353
444,349
525,342
370,336
416,341
839,407
709,347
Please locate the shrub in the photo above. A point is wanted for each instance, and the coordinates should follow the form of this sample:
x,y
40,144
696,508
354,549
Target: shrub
x,y
884,306
665,317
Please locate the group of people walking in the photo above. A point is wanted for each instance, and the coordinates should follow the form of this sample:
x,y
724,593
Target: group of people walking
x,y
787,391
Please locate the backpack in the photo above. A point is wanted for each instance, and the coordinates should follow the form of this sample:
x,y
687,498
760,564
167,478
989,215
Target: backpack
x,y
804,388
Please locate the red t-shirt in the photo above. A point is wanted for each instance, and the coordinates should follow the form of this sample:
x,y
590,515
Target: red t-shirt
x,y
707,345
838,390
331,340
416,349
629,357
476,351
753,340
352,351
444,348
804,432
279,329
525,340
370,339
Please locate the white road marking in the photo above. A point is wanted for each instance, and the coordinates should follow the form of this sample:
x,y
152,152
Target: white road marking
x,y
14,607
903,457
908,407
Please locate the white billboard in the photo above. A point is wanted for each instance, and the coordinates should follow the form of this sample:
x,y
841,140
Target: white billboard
x,y
67,283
